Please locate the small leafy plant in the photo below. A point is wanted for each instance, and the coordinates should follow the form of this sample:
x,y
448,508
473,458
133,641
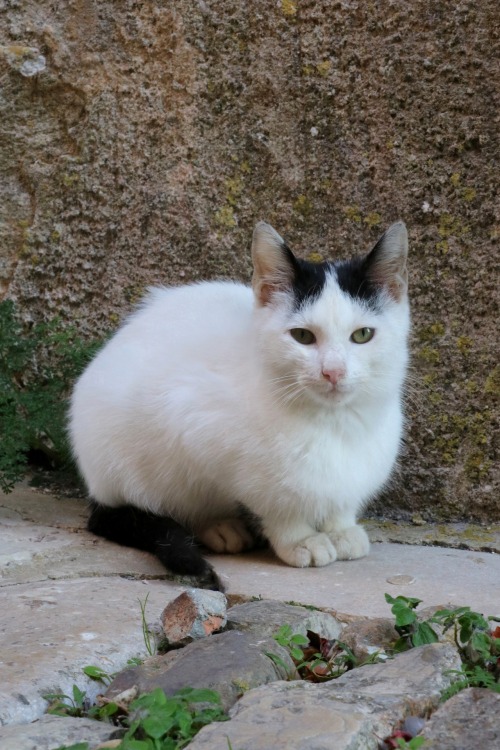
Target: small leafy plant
x,y
158,722
78,704
477,643
153,720
412,633
413,744
317,659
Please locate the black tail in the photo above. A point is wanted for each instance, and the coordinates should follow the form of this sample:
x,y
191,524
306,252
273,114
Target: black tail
x,y
162,536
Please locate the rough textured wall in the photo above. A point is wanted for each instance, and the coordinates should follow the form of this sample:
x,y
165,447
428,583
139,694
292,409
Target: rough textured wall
x,y
142,140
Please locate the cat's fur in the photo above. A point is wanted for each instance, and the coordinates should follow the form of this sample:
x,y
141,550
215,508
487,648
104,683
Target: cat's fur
x,y
204,404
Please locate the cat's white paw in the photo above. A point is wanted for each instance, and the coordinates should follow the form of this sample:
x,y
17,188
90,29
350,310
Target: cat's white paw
x,y
313,551
227,536
350,543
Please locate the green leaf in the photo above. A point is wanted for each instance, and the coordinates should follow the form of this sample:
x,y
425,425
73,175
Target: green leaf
x,y
299,639
424,634
96,673
78,696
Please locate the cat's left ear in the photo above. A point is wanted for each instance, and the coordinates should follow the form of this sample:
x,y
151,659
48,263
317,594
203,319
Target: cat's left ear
x,y
273,263
386,263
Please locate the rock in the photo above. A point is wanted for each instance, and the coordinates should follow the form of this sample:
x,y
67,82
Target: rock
x,y
367,637
417,676
194,614
51,732
467,721
267,616
290,716
349,713
231,663
50,630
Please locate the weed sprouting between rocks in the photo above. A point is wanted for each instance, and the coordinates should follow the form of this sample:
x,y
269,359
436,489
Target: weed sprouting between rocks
x,y
476,639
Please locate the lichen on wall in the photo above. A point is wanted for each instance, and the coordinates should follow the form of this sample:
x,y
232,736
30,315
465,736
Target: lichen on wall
x,y
143,140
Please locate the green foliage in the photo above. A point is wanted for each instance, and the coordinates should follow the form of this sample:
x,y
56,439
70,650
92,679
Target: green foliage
x,y
96,673
317,659
78,704
149,638
477,644
412,744
412,633
158,722
66,705
292,641
37,368
153,720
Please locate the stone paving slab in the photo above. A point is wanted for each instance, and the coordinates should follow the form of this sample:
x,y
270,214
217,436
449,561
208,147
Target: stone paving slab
x,y
68,599
50,630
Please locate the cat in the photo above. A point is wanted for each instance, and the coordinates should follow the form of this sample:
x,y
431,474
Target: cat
x,y
280,402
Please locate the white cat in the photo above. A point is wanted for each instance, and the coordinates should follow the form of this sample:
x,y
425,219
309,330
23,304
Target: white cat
x,y
284,403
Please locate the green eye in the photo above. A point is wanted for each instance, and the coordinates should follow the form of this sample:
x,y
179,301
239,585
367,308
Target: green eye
x,y
362,335
303,336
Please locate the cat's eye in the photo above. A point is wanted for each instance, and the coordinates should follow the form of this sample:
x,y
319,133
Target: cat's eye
x,y
362,335
303,336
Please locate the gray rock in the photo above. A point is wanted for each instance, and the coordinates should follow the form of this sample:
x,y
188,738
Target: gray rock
x,y
349,713
51,732
467,721
231,663
266,617
366,637
49,631
194,614
420,674
290,716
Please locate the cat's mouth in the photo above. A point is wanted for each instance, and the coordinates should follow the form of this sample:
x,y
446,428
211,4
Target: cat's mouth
x,y
333,393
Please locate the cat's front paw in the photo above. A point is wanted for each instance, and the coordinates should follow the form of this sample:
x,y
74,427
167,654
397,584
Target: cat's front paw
x,y
230,536
350,543
313,551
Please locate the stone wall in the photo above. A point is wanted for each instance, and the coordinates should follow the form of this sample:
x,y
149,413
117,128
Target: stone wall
x,y
142,140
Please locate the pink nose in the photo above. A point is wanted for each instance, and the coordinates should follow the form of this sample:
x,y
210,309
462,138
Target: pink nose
x,y
334,375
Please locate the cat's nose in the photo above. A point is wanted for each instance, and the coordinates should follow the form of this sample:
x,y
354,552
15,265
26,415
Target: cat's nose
x,y
334,375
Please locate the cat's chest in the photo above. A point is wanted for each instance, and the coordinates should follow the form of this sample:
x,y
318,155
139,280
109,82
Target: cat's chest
x,y
347,458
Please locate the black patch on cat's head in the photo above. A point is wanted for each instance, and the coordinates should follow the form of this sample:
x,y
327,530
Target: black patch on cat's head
x,y
354,279
308,279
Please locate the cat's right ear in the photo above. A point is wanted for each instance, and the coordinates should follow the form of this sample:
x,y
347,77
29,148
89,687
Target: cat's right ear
x,y
273,263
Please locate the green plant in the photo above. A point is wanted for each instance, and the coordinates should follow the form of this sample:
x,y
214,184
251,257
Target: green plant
x,y
149,638
477,644
286,638
158,722
98,674
77,704
38,365
153,720
317,659
412,744
411,631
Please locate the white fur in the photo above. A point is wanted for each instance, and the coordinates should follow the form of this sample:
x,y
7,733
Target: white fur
x,y
204,400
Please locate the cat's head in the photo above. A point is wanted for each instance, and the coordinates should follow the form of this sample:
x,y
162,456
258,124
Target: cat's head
x,y
334,332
